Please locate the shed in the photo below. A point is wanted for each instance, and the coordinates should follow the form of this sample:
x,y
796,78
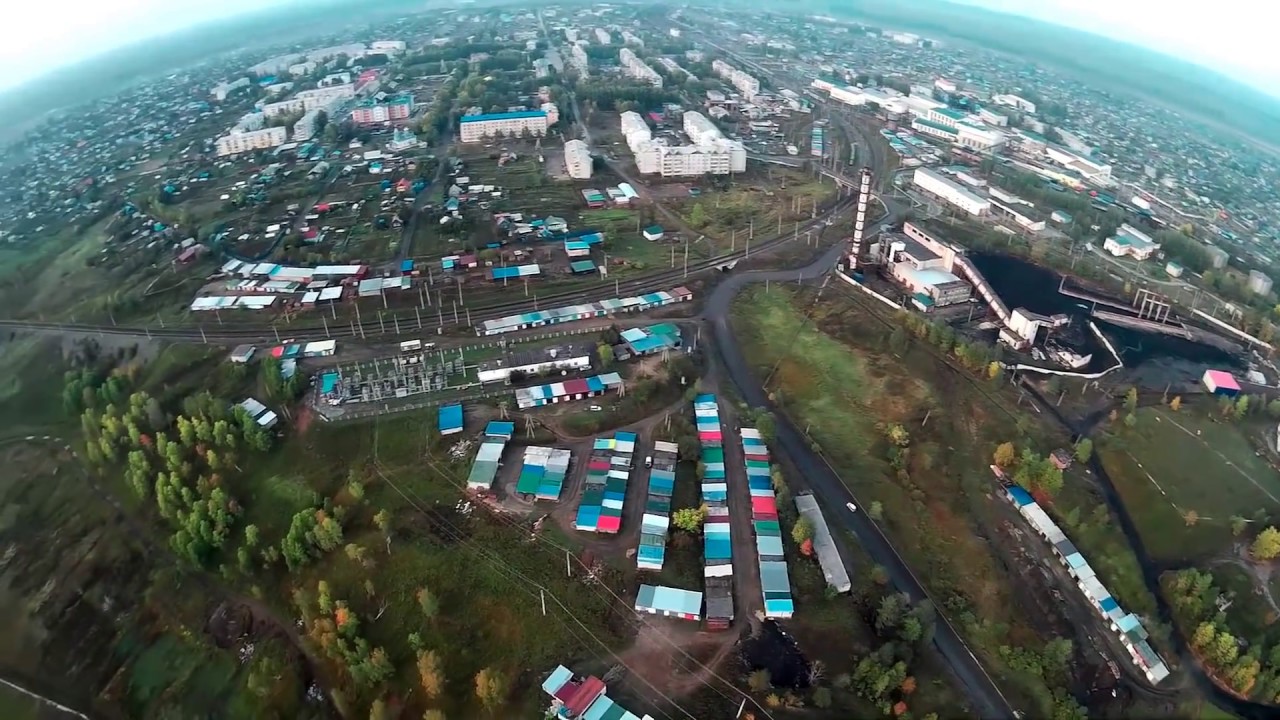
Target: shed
x,y
652,233
450,419
1222,383
669,602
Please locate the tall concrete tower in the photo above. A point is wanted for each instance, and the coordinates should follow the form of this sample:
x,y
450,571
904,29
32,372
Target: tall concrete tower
x,y
858,244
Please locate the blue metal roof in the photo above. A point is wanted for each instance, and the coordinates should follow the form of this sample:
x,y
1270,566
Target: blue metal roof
x,y
450,417
1020,497
503,116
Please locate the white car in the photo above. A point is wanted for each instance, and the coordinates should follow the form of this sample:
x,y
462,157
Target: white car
x,y
852,507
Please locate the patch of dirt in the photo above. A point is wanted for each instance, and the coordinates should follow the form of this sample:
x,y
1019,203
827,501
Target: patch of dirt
x,y
666,655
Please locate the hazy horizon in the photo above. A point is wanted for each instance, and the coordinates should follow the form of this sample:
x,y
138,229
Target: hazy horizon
x,y
1219,41
39,39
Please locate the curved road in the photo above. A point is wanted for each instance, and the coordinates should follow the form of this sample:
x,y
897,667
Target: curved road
x,y
827,486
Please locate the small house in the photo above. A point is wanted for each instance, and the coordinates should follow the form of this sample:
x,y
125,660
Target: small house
x,y
653,233
242,353
1220,383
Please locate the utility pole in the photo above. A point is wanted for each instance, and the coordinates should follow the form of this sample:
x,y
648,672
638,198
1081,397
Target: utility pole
x,y
686,257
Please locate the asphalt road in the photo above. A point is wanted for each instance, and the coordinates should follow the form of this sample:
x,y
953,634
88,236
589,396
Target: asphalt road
x,y
827,487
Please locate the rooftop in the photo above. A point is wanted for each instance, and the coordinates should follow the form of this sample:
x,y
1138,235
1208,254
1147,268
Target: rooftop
x,y
503,116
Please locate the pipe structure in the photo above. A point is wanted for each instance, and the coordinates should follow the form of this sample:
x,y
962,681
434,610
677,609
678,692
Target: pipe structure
x,y
858,241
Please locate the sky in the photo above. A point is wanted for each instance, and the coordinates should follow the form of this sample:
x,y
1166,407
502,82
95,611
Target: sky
x,y
1234,37
37,37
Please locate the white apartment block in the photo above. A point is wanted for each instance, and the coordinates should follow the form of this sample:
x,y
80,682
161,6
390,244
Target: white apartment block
x,y
235,142
389,47
603,36
353,50
577,160
748,85
571,34
950,191
1016,102
305,128
284,107
553,113
709,154
636,68
303,68
321,98
578,59
474,128
250,121
222,90
630,38
275,65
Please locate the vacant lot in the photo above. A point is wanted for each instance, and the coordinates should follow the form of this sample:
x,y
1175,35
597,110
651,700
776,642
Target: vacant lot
x,y
1183,476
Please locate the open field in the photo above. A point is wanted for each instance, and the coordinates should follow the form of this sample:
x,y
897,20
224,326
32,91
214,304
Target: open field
x,y
1170,464
944,504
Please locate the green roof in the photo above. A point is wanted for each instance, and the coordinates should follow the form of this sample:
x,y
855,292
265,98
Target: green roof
x,y
937,126
923,299
953,114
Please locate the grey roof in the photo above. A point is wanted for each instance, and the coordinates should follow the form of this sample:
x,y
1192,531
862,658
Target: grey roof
x,y
824,545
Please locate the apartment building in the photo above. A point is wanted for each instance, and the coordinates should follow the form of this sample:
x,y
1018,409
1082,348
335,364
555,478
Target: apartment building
x,y
240,141
746,84
636,68
388,47
474,128
709,153
222,90
306,127
577,160
320,98
603,37
390,110
284,107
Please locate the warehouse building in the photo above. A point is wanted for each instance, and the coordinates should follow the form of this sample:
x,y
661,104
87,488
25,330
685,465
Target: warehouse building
x,y
824,544
535,362
944,188
1132,242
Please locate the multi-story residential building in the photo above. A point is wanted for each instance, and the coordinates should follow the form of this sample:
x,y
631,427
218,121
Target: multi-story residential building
x,y
284,107
630,38
322,97
746,84
709,152
578,59
303,68
275,65
222,90
1013,101
390,110
636,68
474,128
388,47
603,37
577,159
553,113
237,142
352,50
307,125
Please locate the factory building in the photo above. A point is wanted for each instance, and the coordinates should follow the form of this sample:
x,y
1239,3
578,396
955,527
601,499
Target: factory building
x,y
1132,242
950,191
1089,170
953,127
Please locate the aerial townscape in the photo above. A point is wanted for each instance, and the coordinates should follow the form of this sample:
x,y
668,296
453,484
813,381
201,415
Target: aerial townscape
x,y
689,361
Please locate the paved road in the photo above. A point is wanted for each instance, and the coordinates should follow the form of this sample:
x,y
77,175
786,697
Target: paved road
x,y
828,488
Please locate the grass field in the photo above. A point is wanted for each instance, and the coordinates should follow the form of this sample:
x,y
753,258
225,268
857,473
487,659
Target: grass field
x,y
1172,463
946,509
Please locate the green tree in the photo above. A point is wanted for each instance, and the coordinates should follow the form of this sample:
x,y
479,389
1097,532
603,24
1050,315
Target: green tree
x,y
1131,399
1267,545
1238,526
1084,450
1224,649
698,216
890,612
383,520
802,531
491,688
876,510
605,353
1203,637
822,698
689,519
1242,406
994,371
428,603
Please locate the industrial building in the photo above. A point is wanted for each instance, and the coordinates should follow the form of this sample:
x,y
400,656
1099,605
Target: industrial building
x,y
535,362
953,127
636,68
746,84
577,160
1014,101
1132,242
950,191
474,128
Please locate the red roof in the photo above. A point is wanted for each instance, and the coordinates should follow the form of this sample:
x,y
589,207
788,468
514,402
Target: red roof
x,y
608,524
567,691
576,387
759,458
590,689
764,504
